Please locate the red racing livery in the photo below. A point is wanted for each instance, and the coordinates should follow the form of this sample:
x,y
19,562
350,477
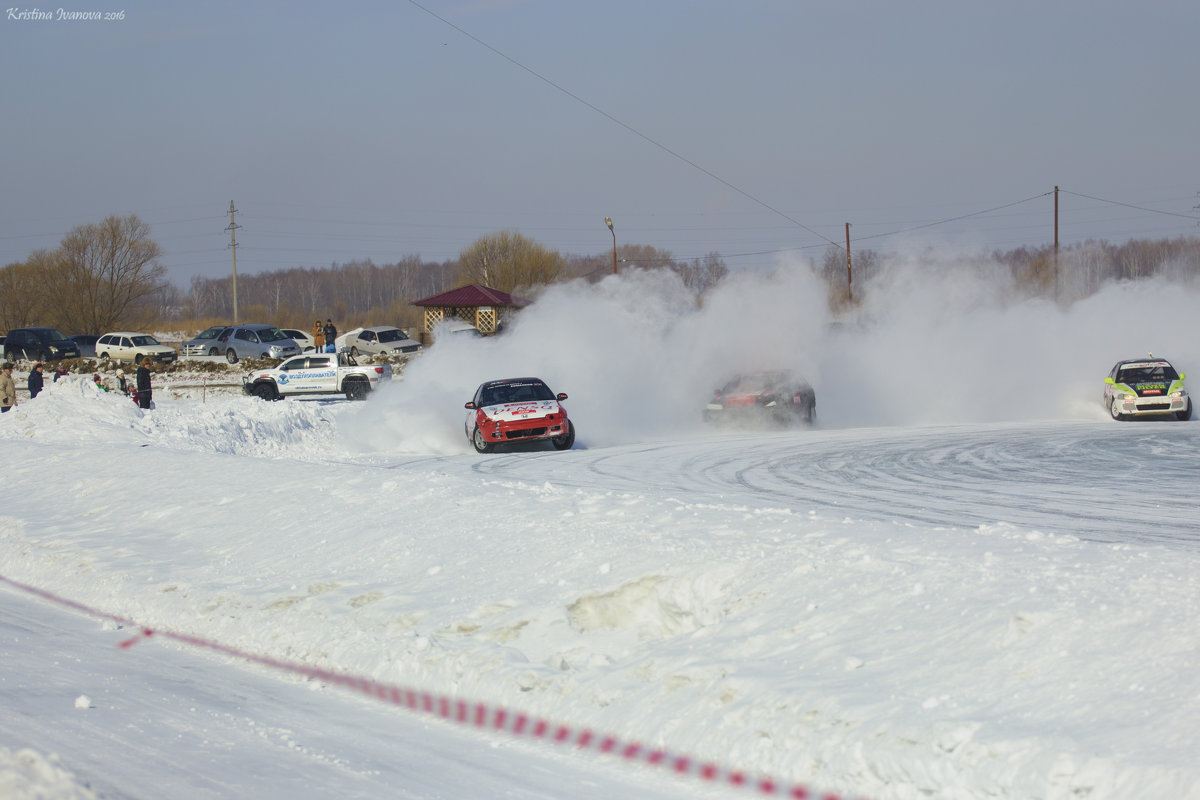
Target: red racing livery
x,y
517,410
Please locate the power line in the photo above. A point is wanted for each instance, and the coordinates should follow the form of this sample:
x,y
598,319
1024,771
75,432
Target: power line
x,y
1130,205
624,125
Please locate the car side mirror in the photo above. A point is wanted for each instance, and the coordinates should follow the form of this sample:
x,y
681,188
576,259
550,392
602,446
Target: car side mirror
x,y
1183,376
470,405
1109,381
562,395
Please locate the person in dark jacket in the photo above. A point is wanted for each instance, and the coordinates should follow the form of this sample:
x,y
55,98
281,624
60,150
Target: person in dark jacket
x,y
143,383
122,386
36,380
330,337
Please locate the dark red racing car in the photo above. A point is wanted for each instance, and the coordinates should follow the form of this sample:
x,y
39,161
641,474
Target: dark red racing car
x,y
771,396
517,410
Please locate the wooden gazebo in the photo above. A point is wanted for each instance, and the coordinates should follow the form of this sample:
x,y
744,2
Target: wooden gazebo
x,y
477,305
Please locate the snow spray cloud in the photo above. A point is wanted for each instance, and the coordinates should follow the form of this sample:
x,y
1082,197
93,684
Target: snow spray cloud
x,y
956,342
639,354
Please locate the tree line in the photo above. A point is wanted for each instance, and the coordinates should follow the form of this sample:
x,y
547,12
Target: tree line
x,y
106,276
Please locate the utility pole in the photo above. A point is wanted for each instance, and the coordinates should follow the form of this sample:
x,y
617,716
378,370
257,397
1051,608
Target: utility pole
x,y
1056,244
232,228
849,275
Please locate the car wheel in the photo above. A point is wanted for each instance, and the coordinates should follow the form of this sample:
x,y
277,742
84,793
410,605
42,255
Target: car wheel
x,y
137,358
102,356
1112,408
265,391
231,356
354,352
1186,414
481,445
565,441
357,390
212,351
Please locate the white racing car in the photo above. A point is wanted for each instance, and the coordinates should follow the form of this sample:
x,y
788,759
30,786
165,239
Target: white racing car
x,y
1146,387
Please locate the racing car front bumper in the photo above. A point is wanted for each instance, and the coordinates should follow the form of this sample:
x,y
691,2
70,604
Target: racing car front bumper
x,y
1128,405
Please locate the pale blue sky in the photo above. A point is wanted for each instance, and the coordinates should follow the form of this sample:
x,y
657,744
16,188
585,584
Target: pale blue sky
x,y
375,130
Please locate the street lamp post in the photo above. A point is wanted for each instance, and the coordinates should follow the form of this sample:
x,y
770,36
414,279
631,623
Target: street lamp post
x,y
608,222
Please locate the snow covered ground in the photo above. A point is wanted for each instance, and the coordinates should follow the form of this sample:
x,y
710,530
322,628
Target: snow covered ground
x,y
964,582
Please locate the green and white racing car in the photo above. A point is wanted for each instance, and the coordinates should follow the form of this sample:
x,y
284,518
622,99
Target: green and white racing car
x,y
1146,387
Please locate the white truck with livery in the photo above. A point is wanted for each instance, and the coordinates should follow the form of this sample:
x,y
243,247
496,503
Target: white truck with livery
x,y
316,374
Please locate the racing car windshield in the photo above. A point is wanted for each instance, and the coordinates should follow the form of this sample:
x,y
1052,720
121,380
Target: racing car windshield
x,y
1149,372
757,382
515,393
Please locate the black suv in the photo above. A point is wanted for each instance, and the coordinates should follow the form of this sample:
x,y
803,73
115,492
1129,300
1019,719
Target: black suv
x,y
38,344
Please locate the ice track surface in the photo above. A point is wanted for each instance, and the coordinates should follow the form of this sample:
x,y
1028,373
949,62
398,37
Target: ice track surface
x,y
1100,481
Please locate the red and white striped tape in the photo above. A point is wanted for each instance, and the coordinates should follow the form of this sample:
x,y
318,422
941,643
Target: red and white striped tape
x,y
477,714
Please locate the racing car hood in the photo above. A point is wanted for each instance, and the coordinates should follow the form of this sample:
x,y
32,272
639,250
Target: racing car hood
x,y
1151,389
507,412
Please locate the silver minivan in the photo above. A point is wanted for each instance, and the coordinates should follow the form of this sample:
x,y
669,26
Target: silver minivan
x,y
255,341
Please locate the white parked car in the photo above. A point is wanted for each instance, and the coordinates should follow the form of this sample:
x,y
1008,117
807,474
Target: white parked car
x,y
303,338
132,346
379,339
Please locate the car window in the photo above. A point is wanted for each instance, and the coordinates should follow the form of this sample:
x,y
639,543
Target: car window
x,y
1147,372
367,336
293,364
394,335
144,341
125,342
319,363
244,335
55,336
271,335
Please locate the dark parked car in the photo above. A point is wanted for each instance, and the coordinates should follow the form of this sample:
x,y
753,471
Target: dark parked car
x,y
87,344
38,344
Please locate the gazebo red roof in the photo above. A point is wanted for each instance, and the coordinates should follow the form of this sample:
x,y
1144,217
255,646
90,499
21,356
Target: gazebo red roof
x,y
473,295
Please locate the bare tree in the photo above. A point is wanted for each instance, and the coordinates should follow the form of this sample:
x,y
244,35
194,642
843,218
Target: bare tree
x,y
23,298
103,271
507,260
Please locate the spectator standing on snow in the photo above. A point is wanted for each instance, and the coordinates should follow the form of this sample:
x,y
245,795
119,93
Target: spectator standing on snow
x,y
143,383
8,389
318,337
36,380
330,337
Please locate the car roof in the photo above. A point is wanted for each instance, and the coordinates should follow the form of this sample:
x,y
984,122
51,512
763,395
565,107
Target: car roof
x,y
1146,360
383,328
126,333
503,381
